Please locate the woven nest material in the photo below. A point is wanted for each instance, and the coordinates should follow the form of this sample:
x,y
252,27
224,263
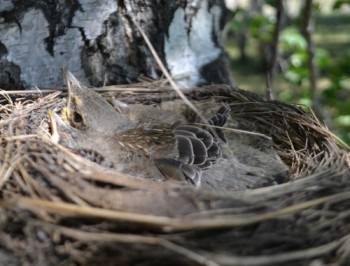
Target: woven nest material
x,y
58,208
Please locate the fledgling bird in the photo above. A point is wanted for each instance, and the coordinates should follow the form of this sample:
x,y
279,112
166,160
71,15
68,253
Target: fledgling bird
x,y
154,150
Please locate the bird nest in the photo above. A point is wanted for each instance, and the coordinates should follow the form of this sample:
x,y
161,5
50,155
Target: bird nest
x,y
58,208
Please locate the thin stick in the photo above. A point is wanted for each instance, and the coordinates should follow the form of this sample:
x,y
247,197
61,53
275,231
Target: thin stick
x,y
38,91
280,258
123,89
293,149
167,74
6,96
236,130
168,224
22,137
130,239
102,89
8,168
344,144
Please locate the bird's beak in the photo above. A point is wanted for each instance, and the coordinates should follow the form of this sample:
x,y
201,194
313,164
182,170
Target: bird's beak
x,y
58,126
74,86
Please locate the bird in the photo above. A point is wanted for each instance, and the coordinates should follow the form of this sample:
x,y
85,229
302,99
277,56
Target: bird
x,y
156,150
146,142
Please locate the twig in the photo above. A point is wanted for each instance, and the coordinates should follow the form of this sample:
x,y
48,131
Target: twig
x,y
6,95
236,130
339,140
129,239
293,149
281,258
167,74
286,188
168,224
112,88
22,137
8,167
29,92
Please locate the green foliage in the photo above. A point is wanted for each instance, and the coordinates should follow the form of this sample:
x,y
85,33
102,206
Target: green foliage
x,y
291,38
340,3
261,28
331,58
240,20
293,47
338,95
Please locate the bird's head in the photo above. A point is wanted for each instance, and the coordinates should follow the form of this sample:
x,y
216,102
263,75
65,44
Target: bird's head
x,y
89,112
86,117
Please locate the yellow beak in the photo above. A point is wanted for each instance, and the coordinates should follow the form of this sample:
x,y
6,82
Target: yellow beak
x,y
57,126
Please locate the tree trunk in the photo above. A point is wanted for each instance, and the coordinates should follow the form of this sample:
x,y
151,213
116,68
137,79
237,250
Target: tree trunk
x,y
99,43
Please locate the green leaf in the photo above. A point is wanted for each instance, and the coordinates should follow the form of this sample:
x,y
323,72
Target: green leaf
x,y
305,102
343,120
298,59
322,58
344,83
339,4
291,39
261,28
292,76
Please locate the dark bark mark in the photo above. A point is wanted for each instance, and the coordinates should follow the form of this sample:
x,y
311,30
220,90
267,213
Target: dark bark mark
x,y
10,76
215,74
59,15
119,54
3,50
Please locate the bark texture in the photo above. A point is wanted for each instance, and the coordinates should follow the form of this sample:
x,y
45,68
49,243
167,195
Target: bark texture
x,y
99,43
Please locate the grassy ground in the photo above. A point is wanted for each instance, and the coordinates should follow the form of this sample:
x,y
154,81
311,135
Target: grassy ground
x,y
331,33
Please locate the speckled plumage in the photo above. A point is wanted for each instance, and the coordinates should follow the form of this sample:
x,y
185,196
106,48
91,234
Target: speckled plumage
x,y
154,150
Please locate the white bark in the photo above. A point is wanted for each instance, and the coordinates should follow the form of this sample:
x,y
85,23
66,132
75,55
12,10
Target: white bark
x,y
97,41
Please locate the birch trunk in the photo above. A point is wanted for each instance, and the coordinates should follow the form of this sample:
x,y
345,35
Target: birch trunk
x,y
98,42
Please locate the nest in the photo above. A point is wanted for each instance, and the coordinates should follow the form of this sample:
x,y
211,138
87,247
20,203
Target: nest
x,y
58,208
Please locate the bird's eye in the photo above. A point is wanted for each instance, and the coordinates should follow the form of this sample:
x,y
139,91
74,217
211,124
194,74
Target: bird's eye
x,y
77,118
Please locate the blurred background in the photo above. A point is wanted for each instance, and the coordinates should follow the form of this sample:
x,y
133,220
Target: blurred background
x,y
295,51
